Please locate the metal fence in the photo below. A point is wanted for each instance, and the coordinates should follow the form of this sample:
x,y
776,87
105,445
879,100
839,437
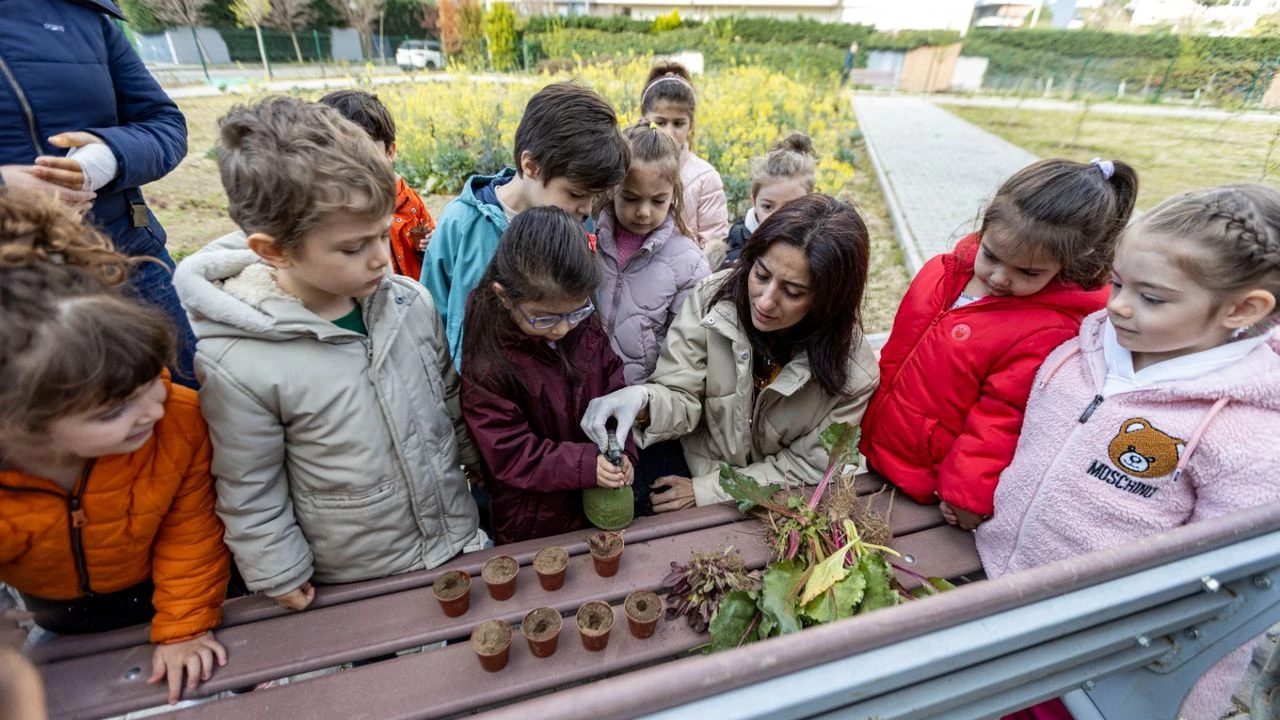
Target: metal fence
x,y
1205,80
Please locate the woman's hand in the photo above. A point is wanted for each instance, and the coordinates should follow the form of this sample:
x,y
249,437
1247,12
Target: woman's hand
x,y
26,176
195,657
677,496
622,405
62,171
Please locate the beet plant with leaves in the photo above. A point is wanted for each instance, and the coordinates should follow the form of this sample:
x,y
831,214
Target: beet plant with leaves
x,y
831,558
698,587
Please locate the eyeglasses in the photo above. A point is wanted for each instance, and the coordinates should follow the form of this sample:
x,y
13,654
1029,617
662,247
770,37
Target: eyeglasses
x,y
546,322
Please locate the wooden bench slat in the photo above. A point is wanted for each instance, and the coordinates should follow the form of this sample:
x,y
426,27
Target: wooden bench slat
x,y
448,681
443,682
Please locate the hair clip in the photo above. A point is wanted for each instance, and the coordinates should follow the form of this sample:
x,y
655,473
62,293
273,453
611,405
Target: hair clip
x,y
591,241
653,125
1107,167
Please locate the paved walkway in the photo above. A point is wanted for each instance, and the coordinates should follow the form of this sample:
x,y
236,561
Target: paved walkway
x,y
937,171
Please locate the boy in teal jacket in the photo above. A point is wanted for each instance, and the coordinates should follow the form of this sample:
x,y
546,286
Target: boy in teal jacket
x,y
568,150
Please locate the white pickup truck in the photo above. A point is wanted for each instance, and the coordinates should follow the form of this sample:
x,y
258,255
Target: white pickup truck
x,y
419,55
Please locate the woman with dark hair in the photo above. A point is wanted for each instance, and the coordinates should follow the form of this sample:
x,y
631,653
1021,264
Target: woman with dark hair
x,y
759,361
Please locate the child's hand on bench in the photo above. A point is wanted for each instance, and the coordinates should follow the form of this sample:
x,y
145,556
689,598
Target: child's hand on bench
x,y
959,517
298,599
195,657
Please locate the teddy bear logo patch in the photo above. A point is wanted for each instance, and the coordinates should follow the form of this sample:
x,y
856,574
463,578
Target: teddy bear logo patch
x,y
1143,451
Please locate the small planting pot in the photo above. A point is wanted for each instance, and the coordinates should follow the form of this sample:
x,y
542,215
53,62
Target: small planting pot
x,y
606,552
551,563
542,629
453,591
595,620
499,574
491,641
644,609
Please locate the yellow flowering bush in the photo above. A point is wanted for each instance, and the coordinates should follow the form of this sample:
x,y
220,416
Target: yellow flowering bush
x,y
450,130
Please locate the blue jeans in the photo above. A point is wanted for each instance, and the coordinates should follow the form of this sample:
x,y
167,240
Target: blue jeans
x,y
153,283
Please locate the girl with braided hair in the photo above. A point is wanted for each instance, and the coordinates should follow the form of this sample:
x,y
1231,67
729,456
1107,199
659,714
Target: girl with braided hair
x,y
1164,410
106,501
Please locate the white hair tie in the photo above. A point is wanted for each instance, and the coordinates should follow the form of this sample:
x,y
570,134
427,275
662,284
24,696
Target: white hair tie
x,y
1107,167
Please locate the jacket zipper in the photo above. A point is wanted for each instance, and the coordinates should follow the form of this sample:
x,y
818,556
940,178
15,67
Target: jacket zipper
x,y
1088,411
26,107
75,511
76,519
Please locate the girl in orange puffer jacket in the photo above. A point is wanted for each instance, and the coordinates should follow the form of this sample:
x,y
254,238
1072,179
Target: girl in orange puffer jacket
x,y
106,501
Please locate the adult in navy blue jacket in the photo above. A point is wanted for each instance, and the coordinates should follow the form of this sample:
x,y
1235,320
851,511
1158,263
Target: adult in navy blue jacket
x,y
66,69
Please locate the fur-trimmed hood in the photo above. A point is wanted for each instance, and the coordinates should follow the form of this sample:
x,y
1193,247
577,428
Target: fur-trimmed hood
x,y
229,291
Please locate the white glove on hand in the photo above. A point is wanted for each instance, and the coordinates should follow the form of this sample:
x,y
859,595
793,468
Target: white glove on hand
x,y
622,405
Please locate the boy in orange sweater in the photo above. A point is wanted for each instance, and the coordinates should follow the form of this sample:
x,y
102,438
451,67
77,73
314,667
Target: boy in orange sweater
x,y
413,225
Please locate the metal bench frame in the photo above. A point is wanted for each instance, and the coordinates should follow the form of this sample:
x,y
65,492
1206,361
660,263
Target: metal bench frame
x,y
1124,633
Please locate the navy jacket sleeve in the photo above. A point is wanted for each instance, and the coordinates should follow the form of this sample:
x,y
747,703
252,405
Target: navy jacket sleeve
x,y
150,138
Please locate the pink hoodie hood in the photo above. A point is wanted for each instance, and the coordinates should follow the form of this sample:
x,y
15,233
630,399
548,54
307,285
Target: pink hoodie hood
x,y
1092,473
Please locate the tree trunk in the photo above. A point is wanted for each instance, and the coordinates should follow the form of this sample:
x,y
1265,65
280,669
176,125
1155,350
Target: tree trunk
x,y
296,49
262,50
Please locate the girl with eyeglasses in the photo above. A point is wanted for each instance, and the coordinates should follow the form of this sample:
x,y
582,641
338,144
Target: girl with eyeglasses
x,y
534,354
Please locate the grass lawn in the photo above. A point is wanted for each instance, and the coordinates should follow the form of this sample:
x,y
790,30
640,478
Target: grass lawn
x,y
193,208
1172,155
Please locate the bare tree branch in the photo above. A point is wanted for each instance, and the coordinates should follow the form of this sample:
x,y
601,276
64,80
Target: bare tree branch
x,y
178,12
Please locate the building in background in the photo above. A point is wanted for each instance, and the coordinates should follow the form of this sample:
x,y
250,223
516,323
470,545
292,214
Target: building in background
x,y
885,15
1002,13
1231,18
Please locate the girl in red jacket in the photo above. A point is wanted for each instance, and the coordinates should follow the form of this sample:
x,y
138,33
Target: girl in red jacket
x,y
976,324
106,501
534,355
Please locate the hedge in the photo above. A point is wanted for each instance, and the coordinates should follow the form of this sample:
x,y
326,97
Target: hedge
x,y
1074,43
797,60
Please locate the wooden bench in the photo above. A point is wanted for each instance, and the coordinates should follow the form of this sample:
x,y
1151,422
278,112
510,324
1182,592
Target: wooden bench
x,y
1121,633
96,676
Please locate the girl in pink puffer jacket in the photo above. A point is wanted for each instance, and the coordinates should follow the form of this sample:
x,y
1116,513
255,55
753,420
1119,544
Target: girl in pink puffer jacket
x,y
1165,409
650,262
668,101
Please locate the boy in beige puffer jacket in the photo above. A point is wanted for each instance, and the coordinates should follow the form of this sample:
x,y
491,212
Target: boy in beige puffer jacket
x,y
327,384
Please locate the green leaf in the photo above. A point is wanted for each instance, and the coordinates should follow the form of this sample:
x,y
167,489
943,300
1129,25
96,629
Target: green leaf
x,y
767,626
733,617
879,576
777,599
821,609
840,440
849,593
932,586
745,489
825,574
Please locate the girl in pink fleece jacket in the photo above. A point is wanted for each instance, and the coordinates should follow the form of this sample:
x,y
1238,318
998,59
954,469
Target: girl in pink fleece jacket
x,y
1165,409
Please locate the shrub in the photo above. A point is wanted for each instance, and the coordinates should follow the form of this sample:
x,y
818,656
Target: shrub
x,y
663,23
462,126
